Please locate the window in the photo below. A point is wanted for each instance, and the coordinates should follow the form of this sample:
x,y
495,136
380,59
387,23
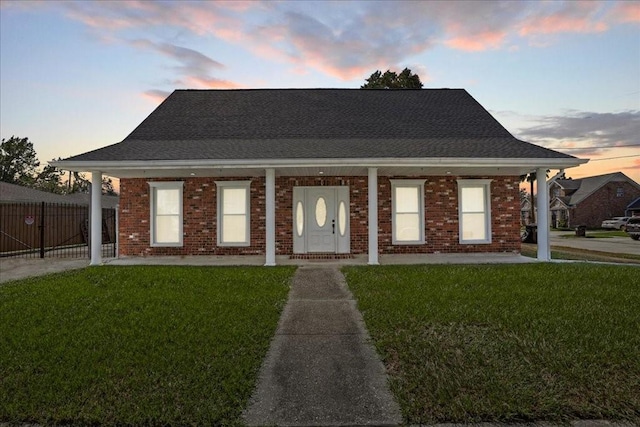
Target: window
x,y
407,199
233,213
474,207
166,213
620,192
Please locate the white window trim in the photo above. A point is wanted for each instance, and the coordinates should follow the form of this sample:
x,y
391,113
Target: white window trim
x,y
486,185
419,183
170,185
233,184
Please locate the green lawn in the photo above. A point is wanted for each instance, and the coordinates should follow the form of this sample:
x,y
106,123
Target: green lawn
x,y
136,345
506,342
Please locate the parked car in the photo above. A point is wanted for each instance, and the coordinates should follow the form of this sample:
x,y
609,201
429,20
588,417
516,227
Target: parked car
x,y
633,227
616,223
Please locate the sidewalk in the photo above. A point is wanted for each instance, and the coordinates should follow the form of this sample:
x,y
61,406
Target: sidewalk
x,y
321,368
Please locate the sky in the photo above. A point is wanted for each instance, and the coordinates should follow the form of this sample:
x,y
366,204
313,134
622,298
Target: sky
x,y
80,75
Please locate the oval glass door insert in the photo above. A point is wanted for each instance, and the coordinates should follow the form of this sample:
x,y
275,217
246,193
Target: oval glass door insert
x,y
321,212
299,218
342,218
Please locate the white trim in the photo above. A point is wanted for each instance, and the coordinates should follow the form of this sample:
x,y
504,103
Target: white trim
x,y
372,189
270,217
165,185
485,184
221,185
544,249
96,218
554,163
408,183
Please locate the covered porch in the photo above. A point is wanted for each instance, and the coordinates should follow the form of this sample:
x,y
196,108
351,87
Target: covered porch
x,y
404,168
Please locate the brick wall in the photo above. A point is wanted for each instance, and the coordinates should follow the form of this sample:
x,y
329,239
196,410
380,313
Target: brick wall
x,y
441,217
603,204
199,222
200,212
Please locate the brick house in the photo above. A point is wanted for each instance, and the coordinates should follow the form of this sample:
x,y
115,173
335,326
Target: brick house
x,y
591,200
319,173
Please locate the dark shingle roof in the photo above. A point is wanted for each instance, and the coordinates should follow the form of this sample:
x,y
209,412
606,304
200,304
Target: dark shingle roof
x,y
635,205
318,123
587,186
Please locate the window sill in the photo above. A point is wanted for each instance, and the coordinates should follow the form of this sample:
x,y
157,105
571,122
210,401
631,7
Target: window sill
x,y
415,242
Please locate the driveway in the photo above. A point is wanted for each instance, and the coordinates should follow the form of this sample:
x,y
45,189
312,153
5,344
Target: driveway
x,y
22,268
619,245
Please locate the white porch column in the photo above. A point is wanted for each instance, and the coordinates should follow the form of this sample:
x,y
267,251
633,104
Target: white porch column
x,y
96,218
270,217
544,250
373,216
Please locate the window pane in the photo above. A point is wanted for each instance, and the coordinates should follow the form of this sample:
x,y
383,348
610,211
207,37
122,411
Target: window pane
x,y
342,218
234,228
473,226
473,199
406,199
299,219
321,212
167,201
407,227
167,229
234,201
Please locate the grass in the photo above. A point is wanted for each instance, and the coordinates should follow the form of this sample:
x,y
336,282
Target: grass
x,y
136,345
506,343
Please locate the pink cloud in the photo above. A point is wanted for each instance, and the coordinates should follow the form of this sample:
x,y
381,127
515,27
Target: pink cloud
x,y
478,42
155,96
350,44
626,12
568,17
210,83
560,24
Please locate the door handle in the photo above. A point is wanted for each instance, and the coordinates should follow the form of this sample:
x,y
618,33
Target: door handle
x,y
333,226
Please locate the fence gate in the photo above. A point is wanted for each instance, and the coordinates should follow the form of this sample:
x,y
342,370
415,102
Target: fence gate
x,y
39,230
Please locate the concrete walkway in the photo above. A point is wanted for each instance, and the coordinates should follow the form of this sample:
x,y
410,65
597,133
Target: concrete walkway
x,y
321,368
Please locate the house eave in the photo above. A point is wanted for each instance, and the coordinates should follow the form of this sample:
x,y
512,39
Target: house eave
x,y
330,166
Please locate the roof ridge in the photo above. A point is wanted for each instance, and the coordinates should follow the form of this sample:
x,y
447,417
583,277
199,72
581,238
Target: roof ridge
x,y
314,89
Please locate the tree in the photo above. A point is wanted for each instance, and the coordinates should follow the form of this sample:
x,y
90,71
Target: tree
x,y
50,179
107,187
391,80
18,161
78,183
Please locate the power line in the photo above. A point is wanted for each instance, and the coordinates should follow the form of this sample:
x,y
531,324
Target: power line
x,y
595,147
611,158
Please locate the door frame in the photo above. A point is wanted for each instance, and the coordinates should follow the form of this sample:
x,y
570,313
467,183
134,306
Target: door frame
x,y
340,212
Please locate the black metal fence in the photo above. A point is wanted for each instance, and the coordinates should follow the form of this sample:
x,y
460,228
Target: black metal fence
x,y
39,230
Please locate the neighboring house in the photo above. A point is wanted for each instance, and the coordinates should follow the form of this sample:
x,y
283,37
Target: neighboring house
x,y
633,208
589,201
525,210
319,173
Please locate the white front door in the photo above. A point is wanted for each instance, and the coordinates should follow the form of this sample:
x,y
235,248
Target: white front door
x,y
321,220
321,214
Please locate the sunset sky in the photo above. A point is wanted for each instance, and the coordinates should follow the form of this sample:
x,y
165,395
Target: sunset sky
x,y
75,76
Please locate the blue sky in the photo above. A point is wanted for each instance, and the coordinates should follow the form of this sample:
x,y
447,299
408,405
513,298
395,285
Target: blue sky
x,y
75,76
